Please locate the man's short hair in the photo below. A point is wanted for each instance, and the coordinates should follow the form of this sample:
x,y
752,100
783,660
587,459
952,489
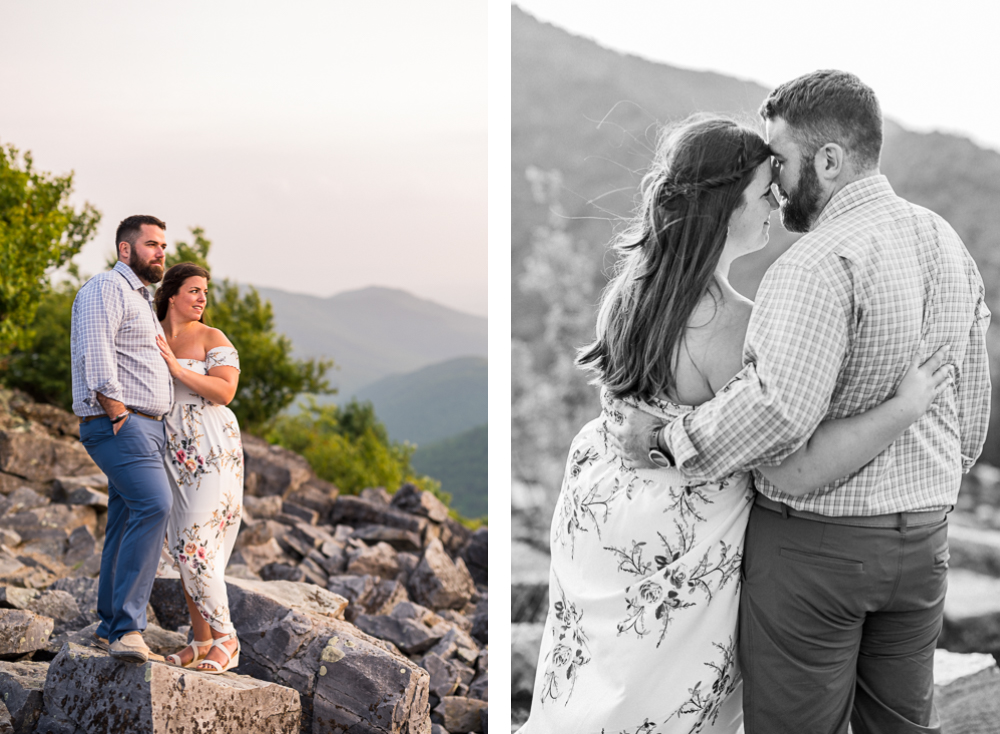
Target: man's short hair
x,y
830,106
130,228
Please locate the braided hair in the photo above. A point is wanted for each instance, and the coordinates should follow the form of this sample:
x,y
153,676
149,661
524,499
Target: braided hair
x,y
670,251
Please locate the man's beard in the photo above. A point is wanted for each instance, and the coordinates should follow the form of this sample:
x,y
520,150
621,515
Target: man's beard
x,y
147,271
802,204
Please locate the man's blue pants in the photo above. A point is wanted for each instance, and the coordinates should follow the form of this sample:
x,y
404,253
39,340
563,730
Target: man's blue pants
x,y
139,500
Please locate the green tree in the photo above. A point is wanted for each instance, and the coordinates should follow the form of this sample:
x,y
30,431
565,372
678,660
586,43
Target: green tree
x,y
348,446
39,231
42,367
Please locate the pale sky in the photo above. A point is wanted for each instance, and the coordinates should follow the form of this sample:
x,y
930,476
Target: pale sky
x,y
324,146
934,66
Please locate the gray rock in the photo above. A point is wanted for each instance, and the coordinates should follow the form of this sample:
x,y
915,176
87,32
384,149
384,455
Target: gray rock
x,y
387,595
40,458
9,537
14,597
378,495
297,510
21,499
408,563
971,613
62,487
258,556
80,546
456,643
94,692
313,571
476,556
461,714
263,508
6,726
480,685
456,618
440,583
454,536
21,687
57,605
446,675
438,729
481,621
357,511
316,494
377,560
23,631
410,627
272,470
971,704
353,681
399,539
416,502
89,497
241,571
282,572
525,642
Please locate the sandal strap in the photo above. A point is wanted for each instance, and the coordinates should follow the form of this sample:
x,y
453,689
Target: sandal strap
x,y
219,643
218,668
194,645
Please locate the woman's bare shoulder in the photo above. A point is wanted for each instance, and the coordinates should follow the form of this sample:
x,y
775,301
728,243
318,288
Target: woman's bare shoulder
x,y
212,338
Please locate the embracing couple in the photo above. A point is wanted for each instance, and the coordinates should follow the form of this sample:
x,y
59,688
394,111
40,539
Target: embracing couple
x,y
754,532
151,382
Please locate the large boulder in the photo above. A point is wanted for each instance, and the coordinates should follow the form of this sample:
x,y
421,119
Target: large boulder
x,y
38,457
357,511
293,634
88,691
272,470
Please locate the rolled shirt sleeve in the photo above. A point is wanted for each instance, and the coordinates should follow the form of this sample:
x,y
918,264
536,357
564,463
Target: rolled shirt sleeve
x,y
973,386
796,343
99,313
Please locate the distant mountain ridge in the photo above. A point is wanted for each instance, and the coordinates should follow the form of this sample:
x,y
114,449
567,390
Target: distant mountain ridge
x,y
374,332
432,403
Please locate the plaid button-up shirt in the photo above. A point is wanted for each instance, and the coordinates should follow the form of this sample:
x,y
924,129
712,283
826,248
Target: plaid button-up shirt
x,y
838,319
113,346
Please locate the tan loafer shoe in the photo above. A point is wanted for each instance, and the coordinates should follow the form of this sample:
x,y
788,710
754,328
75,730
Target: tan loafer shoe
x,y
131,648
101,643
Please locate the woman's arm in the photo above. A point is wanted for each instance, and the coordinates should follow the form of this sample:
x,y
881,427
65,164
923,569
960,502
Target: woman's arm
x,y
219,385
842,446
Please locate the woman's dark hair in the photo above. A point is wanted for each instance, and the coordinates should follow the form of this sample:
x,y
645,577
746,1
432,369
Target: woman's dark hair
x,y
172,281
670,251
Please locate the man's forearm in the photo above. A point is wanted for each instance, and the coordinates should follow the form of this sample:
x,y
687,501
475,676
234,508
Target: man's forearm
x,y
113,408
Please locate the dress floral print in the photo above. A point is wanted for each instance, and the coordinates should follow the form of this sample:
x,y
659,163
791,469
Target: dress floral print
x,y
205,462
643,596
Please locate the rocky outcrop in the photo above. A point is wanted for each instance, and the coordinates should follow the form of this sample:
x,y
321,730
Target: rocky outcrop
x,y
355,603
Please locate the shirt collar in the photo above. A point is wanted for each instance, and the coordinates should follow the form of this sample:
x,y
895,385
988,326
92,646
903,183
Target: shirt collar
x,y
853,195
129,275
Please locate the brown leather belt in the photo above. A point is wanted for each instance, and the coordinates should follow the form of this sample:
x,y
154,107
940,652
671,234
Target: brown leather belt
x,y
895,520
89,418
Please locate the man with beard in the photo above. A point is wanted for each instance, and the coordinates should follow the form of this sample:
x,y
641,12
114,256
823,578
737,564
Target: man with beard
x,y
843,588
121,391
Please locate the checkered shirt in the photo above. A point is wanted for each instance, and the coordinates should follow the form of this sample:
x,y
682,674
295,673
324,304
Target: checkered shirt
x,y
838,319
114,346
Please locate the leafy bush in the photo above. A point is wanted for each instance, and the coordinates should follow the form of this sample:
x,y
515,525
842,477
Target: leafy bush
x,y
348,446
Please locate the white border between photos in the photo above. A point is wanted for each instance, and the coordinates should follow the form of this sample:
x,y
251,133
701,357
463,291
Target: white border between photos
x,y
499,45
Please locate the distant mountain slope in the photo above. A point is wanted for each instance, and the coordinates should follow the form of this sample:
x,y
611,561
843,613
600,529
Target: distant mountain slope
x,y
460,464
374,332
432,403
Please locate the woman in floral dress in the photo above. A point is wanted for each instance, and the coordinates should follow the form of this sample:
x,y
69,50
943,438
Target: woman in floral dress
x,y
645,575
205,462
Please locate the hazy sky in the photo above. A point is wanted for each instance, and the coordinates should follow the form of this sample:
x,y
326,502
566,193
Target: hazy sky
x,y
934,66
324,146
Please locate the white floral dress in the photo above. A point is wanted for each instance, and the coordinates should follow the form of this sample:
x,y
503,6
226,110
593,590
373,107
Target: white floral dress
x,y
205,464
643,596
